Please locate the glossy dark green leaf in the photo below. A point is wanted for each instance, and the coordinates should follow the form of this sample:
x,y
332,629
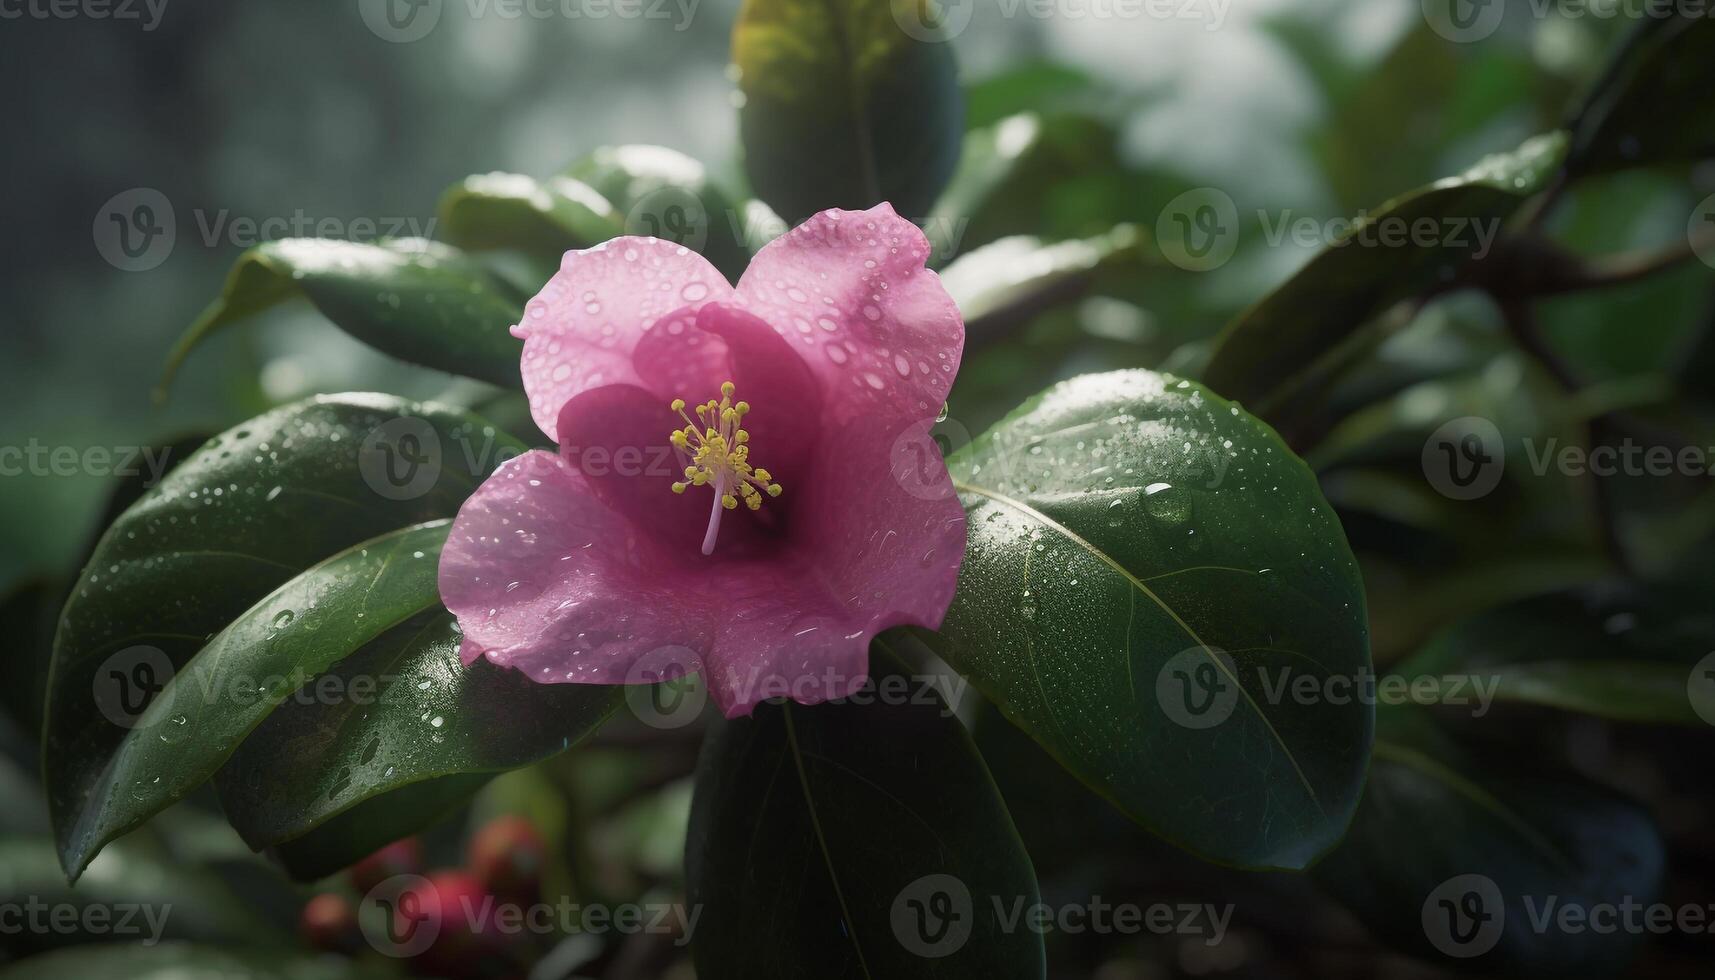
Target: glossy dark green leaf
x,y
1655,103
1282,352
180,901
1003,284
544,218
178,961
662,193
419,301
271,650
1147,566
352,835
395,715
1469,863
847,103
855,840
254,507
1576,653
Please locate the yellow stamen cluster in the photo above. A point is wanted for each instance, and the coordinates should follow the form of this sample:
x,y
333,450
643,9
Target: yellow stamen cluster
x,y
719,455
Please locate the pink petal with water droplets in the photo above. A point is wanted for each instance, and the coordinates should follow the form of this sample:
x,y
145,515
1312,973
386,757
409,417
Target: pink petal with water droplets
x,y
581,329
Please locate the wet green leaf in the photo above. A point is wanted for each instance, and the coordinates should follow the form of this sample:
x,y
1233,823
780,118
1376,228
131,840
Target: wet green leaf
x,y
1150,576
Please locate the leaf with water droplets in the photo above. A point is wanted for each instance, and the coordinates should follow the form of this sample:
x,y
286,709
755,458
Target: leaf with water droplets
x,y
251,509
543,219
420,301
411,732
212,703
1157,648
1278,357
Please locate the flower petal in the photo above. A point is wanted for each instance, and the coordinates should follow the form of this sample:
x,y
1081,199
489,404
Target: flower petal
x,y
882,332
581,329
545,578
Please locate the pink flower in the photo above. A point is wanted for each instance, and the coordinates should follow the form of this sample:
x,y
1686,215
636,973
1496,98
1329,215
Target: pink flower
x,y
761,536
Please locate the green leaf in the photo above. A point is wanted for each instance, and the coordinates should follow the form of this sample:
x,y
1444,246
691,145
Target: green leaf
x,y
417,300
1279,355
542,218
1654,102
1036,86
829,830
662,193
847,103
1620,690
1566,651
174,961
352,835
273,649
402,712
1436,828
1058,176
253,508
1005,283
1145,563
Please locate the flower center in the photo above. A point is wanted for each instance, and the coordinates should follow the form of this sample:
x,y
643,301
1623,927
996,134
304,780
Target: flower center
x,y
720,458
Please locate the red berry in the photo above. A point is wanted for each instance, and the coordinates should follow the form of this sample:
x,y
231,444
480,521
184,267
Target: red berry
x,y
329,923
508,856
457,913
402,857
